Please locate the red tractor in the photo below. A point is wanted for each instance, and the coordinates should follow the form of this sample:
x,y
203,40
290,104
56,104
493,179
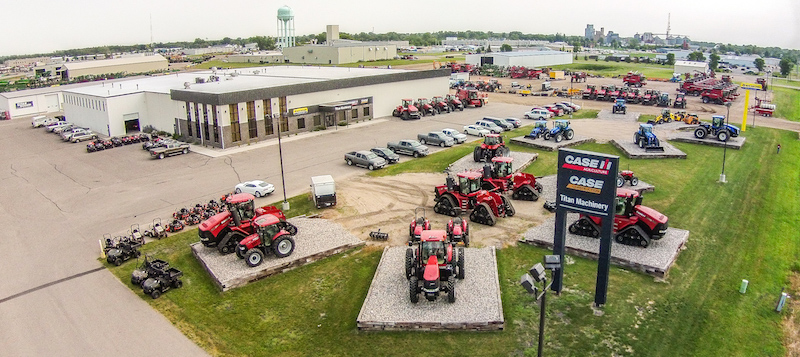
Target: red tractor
x,y
227,228
419,224
454,102
458,231
600,94
634,79
590,92
627,175
272,235
501,177
578,77
466,194
680,101
634,224
440,105
612,93
432,266
471,97
406,110
633,96
492,146
424,106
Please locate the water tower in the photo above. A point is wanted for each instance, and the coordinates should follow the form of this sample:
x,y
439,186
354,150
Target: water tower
x,y
285,27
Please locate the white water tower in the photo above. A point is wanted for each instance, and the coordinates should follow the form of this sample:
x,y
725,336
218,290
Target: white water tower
x,y
285,27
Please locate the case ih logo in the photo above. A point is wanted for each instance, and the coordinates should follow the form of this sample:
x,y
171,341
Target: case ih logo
x,y
585,184
586,164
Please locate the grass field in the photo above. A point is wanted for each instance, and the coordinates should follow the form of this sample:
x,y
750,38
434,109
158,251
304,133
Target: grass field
x,y
618,68
745,229
786,101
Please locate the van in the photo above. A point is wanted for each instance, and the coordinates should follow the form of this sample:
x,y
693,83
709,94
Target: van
x,y
323,190
492,127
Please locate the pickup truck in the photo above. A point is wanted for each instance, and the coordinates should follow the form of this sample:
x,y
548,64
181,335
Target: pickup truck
x,y
169,149
366,159
408,147
436,138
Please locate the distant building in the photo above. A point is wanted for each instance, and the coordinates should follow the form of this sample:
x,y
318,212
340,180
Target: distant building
x,y
612,36
690,67
258,57
543,58
588,33
140,64
339,51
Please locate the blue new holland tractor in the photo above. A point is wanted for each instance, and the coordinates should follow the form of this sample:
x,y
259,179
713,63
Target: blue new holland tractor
x,y
717,128
539,129
560,131
646,139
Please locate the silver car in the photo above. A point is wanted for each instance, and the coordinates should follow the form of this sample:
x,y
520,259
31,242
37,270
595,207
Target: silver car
x,y
456,135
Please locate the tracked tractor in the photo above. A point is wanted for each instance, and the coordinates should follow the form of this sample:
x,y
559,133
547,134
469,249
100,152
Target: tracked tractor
x,y
646,139
634,224
492,146
271,236
466,194
226,229
539,128
432,266
717,128
406,110
500,177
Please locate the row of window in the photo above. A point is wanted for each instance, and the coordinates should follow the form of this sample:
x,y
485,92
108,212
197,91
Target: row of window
x,y
85,102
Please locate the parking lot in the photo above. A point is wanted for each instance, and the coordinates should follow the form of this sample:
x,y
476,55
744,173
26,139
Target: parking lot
x,y
58,201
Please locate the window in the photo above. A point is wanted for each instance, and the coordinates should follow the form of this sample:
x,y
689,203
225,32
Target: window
x,y
284,124
317,120
366,111
216,122
354,113
301,123
189,119
205,121
236,134
197,118
251,120
268,125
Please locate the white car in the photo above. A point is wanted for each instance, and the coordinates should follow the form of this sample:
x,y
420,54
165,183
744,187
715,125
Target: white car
x,y
476,130
256,188
457,136
538,114
573,105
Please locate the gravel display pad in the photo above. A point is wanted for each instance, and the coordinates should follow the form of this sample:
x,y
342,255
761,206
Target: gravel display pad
x,y
316,239
633,151
607,114
641,186
477,308
688,137
654,260
551,145
521,161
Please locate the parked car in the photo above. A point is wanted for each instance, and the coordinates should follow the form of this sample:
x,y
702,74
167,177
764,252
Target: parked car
x,y
500,122
256,188
476,130
574,106
492,127
364,158
565,108
555,110
85,135
66,135
63,128
54,126
538,114
456,135
386,154
513,121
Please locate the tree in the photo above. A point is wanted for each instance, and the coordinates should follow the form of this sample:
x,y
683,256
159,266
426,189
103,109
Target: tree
x,y
786,65
759,62
264,43
697,56
633,43
505,48
488,48
670,59
714,61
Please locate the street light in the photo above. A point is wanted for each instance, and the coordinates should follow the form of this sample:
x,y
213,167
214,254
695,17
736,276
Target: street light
x,y
285,204
725,144
537,274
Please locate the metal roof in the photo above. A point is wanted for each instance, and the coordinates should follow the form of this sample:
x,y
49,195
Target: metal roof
x,y
114,62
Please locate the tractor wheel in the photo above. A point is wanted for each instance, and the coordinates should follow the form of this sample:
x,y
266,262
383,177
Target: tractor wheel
x,y
185,151
700,133
636,138
477,154
723,135
254,257
155,294
406,116
409,262
412,289
634,181
547,135
451,290
641,143
559,137
349,162
395,113
239,253
177,284
573,228
569,134
706,100
465,239
118,261
510,211
290,228
619,238
620,181
283,246
460,263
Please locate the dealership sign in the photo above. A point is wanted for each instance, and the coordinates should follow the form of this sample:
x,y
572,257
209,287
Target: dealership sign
x,y
586,182
22,105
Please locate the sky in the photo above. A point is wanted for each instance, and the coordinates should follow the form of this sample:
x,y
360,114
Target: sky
x,y
58,25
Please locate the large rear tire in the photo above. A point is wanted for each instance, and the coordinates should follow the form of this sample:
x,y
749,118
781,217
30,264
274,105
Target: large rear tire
x,y
460,263
451,290
283,246
412,289
409,262
700,133
477,154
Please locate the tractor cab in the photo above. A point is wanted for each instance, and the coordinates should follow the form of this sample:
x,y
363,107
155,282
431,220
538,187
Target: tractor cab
x,y
492,140
591,87
423,101
433,245
502,166
453,99
645,129
540,124
437,99
665,112
626,201
267,226
559,126
473,94
718,120
242,207
469,182
406,103
620,102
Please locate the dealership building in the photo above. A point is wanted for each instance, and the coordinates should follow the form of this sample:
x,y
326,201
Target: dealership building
x,y
226,108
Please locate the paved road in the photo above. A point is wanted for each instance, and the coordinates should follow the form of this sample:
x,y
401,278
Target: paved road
x,y
58,201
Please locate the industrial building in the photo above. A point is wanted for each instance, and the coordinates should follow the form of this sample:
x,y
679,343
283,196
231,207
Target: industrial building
x,y
683,67
338,51
129,64
225,108
544,58
257,57
36,101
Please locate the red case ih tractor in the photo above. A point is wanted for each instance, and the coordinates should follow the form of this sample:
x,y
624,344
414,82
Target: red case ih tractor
x,y
492,146
440,105
634,224
419,224
458,231
425,106
432,266
454,102
590,92
471,97
634,79
226,229
627,175
272,236
500,176
406,111
453,198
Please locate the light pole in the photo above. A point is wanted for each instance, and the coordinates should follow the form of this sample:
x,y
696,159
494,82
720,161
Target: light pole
x,y
725,144
285,205
537,274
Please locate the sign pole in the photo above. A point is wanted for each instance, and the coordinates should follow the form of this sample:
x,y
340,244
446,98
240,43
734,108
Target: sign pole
x,y
559,239
603,262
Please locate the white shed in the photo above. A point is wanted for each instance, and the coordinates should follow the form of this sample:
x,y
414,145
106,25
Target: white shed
x,y
683,67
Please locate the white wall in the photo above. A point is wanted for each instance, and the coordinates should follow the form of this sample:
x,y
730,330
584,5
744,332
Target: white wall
x,y
87,111
39,104
538,60
161,112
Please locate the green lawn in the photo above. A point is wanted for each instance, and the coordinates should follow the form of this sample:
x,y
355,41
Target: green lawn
x,y
609,69
787,102
745,229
